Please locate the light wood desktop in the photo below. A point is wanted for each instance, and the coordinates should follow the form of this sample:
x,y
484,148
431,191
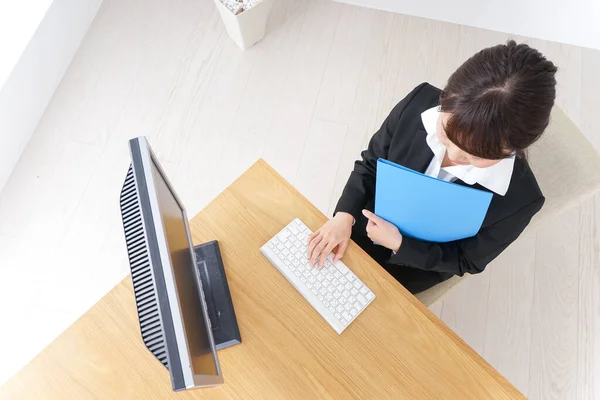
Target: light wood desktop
x,y
396,349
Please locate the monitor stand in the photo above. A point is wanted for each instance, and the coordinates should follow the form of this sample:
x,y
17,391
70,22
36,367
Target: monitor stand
x,y
216,292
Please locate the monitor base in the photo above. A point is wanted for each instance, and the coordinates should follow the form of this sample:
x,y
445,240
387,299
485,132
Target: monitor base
x,y
216,292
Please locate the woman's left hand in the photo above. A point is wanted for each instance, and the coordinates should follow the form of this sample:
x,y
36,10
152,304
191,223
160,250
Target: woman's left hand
x,y
382,232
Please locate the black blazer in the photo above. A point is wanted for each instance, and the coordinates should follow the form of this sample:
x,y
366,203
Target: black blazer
x,y
402,139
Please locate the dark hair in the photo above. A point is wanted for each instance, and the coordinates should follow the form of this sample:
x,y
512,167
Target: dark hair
x,y
499,99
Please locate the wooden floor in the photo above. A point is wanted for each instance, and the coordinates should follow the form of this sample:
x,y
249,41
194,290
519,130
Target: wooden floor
x,y
307,99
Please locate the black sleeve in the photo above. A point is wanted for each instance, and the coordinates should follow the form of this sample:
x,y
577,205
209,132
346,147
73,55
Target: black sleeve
x,y
470,255
361,184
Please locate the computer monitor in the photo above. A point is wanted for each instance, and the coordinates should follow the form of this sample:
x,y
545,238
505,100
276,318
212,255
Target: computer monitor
x,y
168,286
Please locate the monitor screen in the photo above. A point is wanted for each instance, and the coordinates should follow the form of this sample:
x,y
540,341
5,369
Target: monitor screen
x,y
203,360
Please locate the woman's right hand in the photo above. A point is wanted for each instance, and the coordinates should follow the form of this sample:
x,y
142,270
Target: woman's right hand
x,y
335,232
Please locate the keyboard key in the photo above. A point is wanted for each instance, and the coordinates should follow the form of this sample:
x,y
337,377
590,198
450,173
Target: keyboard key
x,y
302,279
370,296
346,294
320,277
297,244
364,290
283,235
293,229
285,252
348,286
337,274
331,289
338,315
289,245
318,285
340,309
280,247
353,312
297,273
337,294
271,245
352,299
343,321
357,284
343,280
340,288
295,262
342,268
346,315
275,241
361,299
354,291
329,296
351,277
326,303
323,291
300,255
308,285
312,279
348,306
334,303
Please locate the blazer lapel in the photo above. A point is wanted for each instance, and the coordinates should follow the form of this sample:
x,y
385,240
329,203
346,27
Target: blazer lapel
x,y
419,155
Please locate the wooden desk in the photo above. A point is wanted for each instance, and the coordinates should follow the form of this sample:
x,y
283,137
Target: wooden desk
x,y
396,349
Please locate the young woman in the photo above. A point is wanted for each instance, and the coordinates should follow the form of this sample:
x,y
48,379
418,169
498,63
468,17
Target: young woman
x,y
474,133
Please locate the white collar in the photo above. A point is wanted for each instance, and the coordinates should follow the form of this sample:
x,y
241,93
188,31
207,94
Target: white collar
x,y
496,178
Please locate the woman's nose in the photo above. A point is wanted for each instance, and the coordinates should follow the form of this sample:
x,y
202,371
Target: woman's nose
x,y
455,154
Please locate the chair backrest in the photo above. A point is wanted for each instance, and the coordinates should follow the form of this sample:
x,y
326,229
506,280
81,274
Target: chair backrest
x,y
567,168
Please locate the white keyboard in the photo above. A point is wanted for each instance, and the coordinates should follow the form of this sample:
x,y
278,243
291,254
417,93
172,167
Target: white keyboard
x,y
334,291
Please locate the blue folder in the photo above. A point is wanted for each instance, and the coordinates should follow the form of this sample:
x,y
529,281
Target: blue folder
x,y
426,208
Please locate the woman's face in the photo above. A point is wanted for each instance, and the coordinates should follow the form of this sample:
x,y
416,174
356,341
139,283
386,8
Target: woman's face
x,y
455,154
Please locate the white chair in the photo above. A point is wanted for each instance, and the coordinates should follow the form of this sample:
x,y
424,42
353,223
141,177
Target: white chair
x,y
567,168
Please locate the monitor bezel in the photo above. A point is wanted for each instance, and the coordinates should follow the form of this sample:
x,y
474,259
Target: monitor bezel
x,y
146,161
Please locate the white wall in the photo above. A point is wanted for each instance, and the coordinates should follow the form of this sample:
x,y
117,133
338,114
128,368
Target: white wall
x,y
33,64
574,22
18,22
